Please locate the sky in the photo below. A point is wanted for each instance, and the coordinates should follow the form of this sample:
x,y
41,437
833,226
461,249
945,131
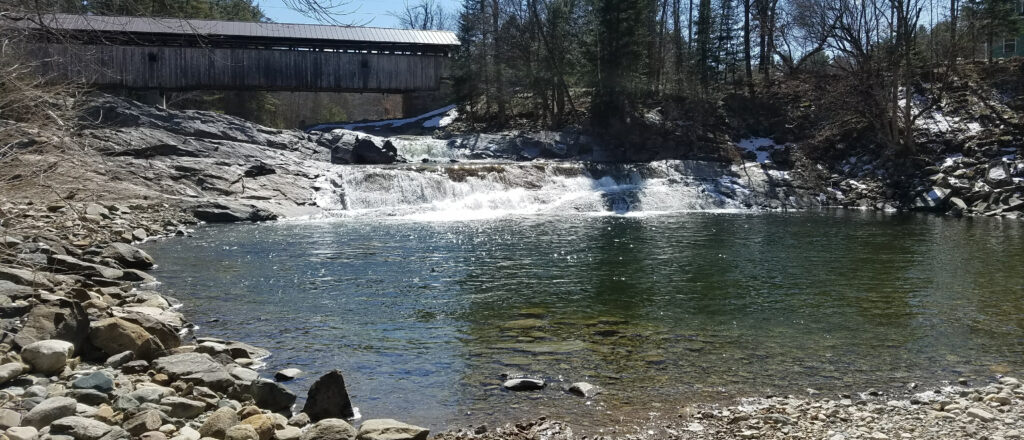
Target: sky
x,y
364,12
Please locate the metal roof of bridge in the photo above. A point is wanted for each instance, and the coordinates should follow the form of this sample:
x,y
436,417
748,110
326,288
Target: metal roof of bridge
x,y
214,28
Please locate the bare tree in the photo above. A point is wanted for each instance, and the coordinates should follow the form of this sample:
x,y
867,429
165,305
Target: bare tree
x,y
424,15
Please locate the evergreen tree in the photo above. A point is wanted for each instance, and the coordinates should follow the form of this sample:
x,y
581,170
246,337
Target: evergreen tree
x,y
704,46
991,19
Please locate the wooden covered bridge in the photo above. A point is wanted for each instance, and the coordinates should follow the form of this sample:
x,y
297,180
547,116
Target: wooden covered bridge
x,y
175,55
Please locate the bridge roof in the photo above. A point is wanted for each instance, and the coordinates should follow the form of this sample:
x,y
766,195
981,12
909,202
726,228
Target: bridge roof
x,y
238,29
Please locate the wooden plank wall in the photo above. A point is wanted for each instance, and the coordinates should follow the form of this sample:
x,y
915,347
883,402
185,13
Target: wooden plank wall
x,y
196,68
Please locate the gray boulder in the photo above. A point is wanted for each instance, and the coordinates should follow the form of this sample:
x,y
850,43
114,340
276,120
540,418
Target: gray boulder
x,y
328,398
186,364
49,410
71,265
273,396
49,356
98,381
143,422
80,428
9,418
217,424
24,277
524,384
128,256
330,429
10,371
388,429
182,408
21,433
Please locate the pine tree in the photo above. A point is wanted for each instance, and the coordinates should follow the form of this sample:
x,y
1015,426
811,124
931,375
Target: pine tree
x,y
993,19
705,51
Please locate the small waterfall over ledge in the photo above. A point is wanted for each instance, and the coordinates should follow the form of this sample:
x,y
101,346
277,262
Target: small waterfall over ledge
x,y
466,191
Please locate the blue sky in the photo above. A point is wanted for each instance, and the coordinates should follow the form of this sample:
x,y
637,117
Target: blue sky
x,y
366,12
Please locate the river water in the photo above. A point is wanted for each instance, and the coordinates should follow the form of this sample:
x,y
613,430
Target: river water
x,y
659,310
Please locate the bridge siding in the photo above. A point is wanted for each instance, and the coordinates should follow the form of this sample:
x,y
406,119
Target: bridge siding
x,y
191,68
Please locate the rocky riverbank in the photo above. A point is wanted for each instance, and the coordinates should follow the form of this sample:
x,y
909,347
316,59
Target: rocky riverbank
x,y
993,411
89,353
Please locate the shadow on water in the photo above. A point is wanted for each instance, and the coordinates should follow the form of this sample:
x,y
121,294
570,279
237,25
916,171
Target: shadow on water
x,y
658,311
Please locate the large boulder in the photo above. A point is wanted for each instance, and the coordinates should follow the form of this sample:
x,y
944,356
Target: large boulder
x,y
24,277
328,398
330,429
366,151
62,319
217,424
241,432
80,428
182,408
10,371
47,411
273,396
186,364
388,429
128,256
263,424
72,265
49,356
116,335
232,213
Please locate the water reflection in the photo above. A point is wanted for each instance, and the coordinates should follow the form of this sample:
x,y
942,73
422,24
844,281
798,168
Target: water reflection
x,y
659,311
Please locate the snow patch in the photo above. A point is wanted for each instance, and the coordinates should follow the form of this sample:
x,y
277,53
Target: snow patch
x,y
393,123
762,146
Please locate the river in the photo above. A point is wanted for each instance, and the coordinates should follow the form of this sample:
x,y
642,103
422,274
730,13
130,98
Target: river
x,y
424,313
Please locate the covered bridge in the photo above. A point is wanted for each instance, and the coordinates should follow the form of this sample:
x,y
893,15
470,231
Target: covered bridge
x,y
175,54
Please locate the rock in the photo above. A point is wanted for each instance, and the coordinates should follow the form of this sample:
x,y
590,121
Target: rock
x,y
328,399
97,210
187,433
182,408
523,384
241,432
140,234
274,396
49,410
288,433
71,265
21,433
367,152
151,393
153,435
244,374
231,213
23,277
932,199
330,429
301,419
998,175
388,429
116,335
263,424
80,428
128,256
10,371
144,421
98,381
9,418
980,414
218,423
120,359
62,319
49,356
287,374
162,325
584,389
186,364
88,397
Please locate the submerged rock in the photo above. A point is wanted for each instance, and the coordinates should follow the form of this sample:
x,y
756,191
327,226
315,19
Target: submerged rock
x,y
524,384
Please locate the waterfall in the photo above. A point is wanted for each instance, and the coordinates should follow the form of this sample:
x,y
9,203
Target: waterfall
x,y
466,191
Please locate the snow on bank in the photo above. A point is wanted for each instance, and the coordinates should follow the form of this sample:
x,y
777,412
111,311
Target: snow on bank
x,y
762,146
441,117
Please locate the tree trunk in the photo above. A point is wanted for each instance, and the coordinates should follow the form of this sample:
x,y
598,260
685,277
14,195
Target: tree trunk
x,y
746,48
